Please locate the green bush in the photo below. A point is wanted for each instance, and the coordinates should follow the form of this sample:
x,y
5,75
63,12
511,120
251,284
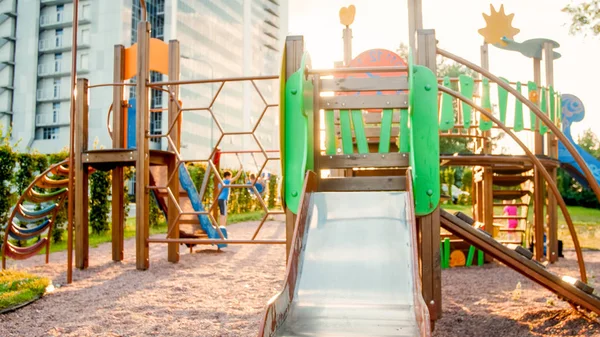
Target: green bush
x,y
272,197
100,190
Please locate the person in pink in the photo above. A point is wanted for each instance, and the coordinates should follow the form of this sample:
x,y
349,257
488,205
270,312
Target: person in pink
x,y
511,210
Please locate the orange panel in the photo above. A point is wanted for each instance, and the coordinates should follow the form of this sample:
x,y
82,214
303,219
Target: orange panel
x,y
159,58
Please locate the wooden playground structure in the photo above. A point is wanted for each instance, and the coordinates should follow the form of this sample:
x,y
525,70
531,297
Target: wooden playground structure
x,y
354,144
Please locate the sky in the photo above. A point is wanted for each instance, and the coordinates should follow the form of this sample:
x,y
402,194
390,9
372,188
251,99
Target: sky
x,y
384,24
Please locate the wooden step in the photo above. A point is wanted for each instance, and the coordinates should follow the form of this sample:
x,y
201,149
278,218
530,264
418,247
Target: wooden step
x,y
509,217
510,194
518,204
510,180
353,184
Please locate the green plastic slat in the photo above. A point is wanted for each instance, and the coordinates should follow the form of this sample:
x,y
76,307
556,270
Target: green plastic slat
x,y
467,85
404,132
424,139
386,130
447,118
442,254
552,97
330,147
519,125
359,131
346,130
470,256
503,101
484,123
480,258
447,252
532,94
544,108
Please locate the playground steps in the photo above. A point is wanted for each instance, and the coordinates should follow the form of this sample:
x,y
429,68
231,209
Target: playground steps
x,y
189,224
577,293
510,180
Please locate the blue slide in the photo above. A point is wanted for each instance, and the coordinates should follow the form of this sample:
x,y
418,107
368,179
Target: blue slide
x,y
184,179
572,112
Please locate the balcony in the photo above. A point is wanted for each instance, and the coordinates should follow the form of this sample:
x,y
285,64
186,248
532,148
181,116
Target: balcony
x,y
49,95
55,2
59,43
50,119
62,19
55,68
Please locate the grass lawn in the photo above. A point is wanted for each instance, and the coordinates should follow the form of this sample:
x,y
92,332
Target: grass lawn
x,y
129,231
17,287
586,221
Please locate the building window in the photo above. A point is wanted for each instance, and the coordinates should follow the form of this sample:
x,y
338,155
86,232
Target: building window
x,y
56,91
55,112
85,11
58,39
85,36
50,133
60,11
84,61
155,125
57,62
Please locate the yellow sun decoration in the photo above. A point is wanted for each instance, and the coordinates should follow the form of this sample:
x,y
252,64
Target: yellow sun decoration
x,y
499,25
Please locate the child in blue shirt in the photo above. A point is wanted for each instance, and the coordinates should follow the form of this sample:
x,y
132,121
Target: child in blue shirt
x,y
224,195
260,184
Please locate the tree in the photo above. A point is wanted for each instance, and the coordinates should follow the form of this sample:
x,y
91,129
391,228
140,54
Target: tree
x,y
585,17
589,142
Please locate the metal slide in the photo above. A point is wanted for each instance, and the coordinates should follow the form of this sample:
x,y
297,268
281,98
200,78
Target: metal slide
x,y
356,273
531,269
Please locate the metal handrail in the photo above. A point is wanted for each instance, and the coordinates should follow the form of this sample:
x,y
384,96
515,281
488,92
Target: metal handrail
x,y
538,164
588,174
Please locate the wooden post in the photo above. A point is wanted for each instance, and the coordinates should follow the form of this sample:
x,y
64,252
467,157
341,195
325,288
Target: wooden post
x,y
118,139
552,147
538,188
429,226
294,46
415,21
173,165
347,45
487,193
143,154
81,176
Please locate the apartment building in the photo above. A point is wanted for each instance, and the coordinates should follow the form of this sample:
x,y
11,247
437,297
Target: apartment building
x,y
219,38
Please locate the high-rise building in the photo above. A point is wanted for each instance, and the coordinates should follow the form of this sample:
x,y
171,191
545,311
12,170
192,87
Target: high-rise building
x,y
218,38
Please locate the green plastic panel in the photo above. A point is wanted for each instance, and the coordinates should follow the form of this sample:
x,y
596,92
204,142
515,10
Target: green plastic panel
x,y
330,147
346,130
467,85
519,125
425,148
299,153
503,101
552,97
296,134
470,256
359,131
532,94
386,130
484,123
404,145
447,118
544,108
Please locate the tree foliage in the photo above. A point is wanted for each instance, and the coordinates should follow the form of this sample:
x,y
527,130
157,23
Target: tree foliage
x,y
585,17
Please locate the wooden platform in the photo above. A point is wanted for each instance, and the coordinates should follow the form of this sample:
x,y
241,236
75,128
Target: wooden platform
x,y
111,158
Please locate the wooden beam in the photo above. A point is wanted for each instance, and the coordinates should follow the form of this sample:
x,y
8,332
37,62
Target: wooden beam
x,y
552,144
415,22
119,157
81,177
118,137
172,167
399,101
384,183
395,159
342,84
142,168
